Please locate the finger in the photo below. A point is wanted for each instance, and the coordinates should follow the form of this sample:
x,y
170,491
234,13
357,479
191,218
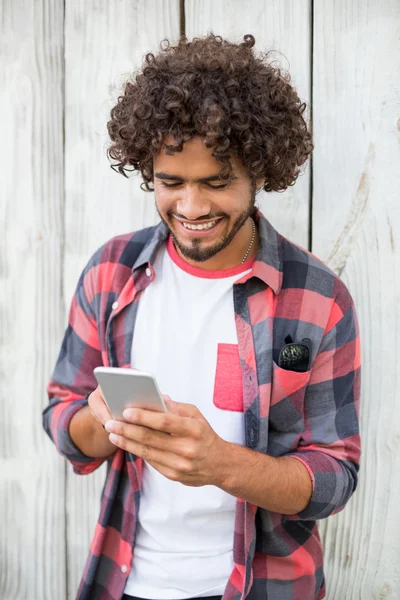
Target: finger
x,y
181,408
168,473
158,440
167,422
98,406
140,434
166,459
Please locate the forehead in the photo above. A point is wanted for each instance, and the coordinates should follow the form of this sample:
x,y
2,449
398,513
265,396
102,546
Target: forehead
x,y
194,161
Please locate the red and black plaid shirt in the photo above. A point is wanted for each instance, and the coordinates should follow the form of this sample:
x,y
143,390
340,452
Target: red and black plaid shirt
x,y
312,415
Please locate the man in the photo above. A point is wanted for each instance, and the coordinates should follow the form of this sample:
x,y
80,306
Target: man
x,y
254,341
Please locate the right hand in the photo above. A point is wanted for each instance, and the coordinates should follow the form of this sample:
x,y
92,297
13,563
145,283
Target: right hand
x,y
98,406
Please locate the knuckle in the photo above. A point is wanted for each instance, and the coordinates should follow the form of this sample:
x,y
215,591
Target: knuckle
x,y
189,452
165,421
144,436
119,428
174,476
185,466
121,443
146,454
136,416
197,431
97,405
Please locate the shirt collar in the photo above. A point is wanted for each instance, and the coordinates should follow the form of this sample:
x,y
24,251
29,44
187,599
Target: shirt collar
x,y
151,246
267,265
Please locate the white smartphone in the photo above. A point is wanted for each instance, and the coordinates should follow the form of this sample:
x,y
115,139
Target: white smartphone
x,y
128,388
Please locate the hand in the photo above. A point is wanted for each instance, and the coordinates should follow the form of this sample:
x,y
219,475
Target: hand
x,y
87,430
98,406
179,444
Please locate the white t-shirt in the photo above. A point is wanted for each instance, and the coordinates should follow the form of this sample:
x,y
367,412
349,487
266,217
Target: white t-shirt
x,y
185,335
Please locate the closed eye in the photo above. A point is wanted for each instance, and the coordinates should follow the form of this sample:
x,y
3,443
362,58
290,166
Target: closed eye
x,y
213,187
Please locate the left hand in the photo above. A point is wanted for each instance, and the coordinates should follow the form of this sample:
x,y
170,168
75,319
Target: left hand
x,y
179,444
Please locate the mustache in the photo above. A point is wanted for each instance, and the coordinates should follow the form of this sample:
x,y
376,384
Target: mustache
x,y
203,218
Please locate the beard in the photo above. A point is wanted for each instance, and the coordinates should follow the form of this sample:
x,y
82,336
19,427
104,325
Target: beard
x,y
196,251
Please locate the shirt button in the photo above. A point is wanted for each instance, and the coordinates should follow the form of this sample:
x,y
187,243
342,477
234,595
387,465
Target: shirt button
x,y
115,305
148,272
124,568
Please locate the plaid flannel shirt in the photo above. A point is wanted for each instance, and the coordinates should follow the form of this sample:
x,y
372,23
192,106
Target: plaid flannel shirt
x,y
312,416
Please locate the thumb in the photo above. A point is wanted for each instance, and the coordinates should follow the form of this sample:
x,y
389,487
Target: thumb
x,y
181,408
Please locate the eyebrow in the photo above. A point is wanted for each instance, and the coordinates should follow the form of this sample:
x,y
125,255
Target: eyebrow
x,y
171,177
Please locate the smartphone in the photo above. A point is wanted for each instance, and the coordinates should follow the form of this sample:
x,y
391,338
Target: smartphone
x,y
128,388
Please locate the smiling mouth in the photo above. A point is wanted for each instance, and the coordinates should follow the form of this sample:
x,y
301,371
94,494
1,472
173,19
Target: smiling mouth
x,y
199,226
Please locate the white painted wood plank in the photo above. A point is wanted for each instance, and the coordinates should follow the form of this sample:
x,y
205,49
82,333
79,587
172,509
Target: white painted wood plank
x,y
32,475
356,230
282,25
105,42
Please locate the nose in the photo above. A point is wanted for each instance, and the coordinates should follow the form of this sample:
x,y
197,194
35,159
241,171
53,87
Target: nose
x,y
192,204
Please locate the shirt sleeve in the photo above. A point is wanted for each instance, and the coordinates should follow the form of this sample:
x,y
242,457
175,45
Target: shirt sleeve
x,y
330,446
73,376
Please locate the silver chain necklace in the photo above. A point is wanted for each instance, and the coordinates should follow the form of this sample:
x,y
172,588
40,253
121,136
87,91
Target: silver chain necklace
x,y
251,242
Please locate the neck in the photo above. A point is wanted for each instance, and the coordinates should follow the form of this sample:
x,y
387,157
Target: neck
x,y
232,255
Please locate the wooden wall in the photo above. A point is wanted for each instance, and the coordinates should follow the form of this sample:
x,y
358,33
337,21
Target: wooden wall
x,y
61,67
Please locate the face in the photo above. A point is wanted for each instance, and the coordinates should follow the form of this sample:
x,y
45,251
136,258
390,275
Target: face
x,y
204,214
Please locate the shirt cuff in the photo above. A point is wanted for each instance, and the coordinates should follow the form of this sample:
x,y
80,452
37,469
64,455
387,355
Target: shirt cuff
x,y
307,466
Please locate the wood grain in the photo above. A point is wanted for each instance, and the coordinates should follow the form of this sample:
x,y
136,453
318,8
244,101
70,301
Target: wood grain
x,y
105,43
32,475
283,26
48,514
356,230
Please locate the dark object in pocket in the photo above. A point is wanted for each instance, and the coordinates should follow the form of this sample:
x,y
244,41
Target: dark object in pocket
x,y
295,357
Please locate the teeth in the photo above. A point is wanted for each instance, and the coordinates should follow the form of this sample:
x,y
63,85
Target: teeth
x,y
199,227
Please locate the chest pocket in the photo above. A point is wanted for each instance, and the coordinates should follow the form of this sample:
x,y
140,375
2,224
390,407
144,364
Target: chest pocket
x,y
286,417
228,385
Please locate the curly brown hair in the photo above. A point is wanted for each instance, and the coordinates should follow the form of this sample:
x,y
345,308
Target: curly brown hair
x,y
239,103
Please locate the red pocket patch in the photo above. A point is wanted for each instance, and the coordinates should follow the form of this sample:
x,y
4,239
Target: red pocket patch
x,y
228,387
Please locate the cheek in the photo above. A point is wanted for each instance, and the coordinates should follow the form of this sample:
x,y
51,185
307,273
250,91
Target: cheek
x,y
164,199
233,205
